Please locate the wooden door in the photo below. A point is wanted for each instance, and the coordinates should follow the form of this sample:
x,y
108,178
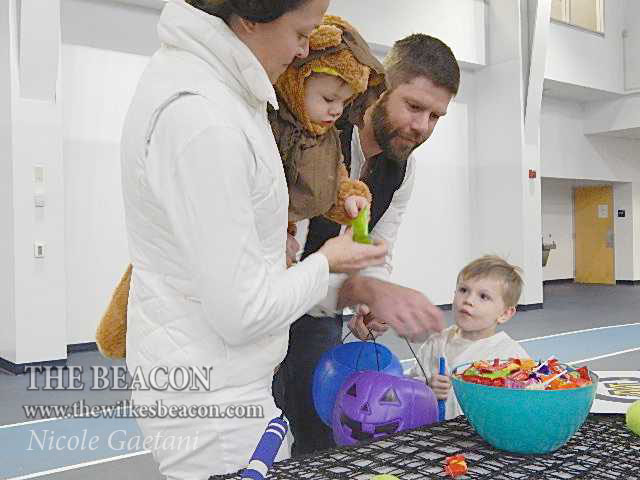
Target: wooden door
x,y
594,246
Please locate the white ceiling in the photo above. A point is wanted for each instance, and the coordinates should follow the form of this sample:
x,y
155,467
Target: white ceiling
x,y
633,133
155,4
123,26
576,93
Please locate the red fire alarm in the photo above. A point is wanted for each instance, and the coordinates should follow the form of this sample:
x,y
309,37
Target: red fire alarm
x,y
532,173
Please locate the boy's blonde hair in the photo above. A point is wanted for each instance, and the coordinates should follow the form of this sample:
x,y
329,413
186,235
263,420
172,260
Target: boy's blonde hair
x,y
492,266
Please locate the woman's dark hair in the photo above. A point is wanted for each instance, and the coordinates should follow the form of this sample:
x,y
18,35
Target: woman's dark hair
x,y
261,11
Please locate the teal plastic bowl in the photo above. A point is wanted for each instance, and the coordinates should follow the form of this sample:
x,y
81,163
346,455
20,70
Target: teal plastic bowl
x,y
524,421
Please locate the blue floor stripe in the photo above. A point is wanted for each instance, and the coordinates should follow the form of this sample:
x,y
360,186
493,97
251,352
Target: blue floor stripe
x,y
577,346
43,446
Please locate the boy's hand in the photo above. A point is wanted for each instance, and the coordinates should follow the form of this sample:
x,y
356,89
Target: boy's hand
x,y
354,204
440,384
292,248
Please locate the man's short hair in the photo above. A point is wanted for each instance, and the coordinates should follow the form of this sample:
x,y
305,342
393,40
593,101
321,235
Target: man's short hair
x,y
492,266
422,55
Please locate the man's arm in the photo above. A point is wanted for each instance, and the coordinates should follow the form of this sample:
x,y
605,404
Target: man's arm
x,y
406,310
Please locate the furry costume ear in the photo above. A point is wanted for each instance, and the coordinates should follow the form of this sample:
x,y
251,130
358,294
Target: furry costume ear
x,y
325,36
338,21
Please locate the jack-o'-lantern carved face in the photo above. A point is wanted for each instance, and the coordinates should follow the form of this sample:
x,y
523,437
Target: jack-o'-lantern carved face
x,y
371,405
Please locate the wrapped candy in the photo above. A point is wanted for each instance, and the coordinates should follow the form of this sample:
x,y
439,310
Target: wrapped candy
x,y
525,373
455,465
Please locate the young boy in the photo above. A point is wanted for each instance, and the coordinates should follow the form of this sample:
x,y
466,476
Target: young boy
x,y
340,75
487,292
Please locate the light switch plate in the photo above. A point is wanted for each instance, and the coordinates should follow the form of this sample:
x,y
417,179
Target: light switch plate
x,y
38,249
38,173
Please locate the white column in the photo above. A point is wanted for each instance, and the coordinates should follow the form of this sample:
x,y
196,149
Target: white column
x,y
505,207
33,299
532,188
7,320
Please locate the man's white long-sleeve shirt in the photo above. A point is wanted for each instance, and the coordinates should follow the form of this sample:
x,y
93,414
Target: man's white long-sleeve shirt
x,y
386,229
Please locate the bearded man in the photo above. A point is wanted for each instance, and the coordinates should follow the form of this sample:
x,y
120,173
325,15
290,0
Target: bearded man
x,y
423,77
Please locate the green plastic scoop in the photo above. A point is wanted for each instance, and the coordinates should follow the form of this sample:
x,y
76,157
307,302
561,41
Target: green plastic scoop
x,y
360,226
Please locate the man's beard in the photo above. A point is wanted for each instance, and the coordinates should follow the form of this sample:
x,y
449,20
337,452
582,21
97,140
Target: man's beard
x,y
384,133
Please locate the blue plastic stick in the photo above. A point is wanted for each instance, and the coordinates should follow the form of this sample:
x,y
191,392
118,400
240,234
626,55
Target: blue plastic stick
x,y
442,408
267,449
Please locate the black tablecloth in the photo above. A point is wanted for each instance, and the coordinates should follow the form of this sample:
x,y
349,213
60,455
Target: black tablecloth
x,y
602,449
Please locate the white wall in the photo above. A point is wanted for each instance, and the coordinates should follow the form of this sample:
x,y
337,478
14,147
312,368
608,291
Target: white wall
x,y
557,221
613,116
460,24
632,45
110,25
97,88
434,239
588,59
568,153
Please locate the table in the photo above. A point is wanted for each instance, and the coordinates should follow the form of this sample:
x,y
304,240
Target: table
x,y
602,449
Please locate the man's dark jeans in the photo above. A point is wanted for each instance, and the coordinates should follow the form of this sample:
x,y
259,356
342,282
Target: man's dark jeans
x,y
309,338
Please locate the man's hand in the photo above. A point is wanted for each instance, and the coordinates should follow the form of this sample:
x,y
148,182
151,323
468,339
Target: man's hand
x,y
440,384
407,311
364,326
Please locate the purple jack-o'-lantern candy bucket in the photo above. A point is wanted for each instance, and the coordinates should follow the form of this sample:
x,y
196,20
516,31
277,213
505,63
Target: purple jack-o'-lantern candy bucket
x,y
371,405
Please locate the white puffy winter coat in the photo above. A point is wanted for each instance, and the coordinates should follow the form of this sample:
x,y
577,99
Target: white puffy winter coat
x,y
206,210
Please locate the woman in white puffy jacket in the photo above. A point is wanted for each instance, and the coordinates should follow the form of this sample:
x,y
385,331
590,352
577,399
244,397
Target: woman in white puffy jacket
x,y
206,212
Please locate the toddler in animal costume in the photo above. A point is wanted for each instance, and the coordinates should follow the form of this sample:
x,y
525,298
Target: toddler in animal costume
x,y
339,79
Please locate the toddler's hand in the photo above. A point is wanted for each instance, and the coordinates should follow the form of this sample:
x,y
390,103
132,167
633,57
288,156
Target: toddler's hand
x,y
440,384
353,204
